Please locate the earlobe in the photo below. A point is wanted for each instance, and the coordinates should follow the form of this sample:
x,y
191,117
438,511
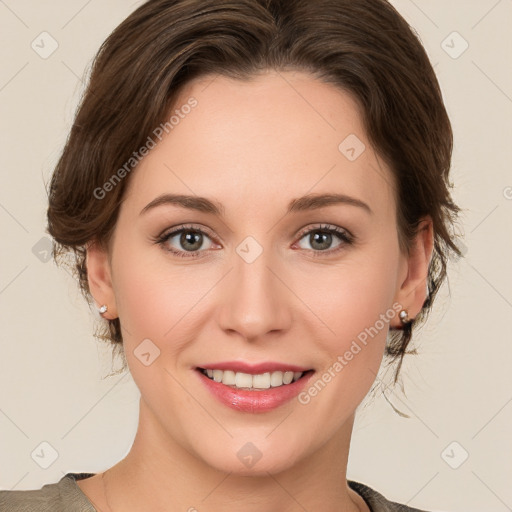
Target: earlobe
x,y
100,280
413,290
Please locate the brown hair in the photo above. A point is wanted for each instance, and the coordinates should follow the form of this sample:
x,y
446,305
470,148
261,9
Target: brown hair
x,y
365,48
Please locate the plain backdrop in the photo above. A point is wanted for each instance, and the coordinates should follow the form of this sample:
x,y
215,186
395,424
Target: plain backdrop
x,y
453,453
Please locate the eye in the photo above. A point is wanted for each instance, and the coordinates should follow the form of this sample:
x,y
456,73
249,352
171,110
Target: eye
x,y
320,239
190,240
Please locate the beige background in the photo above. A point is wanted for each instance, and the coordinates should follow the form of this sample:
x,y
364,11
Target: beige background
x,y
459,387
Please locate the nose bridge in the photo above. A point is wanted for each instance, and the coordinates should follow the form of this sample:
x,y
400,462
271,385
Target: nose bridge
x,y
256,302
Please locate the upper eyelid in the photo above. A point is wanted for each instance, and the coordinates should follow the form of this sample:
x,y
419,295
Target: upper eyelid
x,y
323,226
186,227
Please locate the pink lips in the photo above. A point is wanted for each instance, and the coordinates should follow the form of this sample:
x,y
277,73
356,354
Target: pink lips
x,y
258,401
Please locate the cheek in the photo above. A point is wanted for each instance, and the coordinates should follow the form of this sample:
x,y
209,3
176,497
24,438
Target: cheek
x,y
352,296
354,303
159,299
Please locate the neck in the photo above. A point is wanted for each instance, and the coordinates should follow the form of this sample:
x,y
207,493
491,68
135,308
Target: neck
x,y
159,472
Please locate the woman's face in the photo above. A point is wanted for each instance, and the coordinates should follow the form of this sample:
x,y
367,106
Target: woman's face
x,y
259,282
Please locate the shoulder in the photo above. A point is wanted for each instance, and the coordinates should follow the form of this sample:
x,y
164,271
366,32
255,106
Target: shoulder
x,y
62,496
377,502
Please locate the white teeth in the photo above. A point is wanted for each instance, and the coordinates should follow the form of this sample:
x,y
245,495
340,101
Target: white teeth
x,y
261,381
228,378
276,379
287,377
243,380
247,381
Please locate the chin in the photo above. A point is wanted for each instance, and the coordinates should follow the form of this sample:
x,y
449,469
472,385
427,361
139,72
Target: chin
x,y
261,468
247,458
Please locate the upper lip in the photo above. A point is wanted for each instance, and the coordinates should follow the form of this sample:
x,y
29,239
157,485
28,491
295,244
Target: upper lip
x,y
253,368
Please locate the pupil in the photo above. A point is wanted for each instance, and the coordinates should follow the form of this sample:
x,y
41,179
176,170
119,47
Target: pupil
x,y
191,237
323,234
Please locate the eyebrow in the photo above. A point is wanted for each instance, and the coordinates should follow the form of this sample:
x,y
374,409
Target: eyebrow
x,y
300,204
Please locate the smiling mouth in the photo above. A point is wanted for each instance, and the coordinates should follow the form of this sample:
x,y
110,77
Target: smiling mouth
x,y
258,382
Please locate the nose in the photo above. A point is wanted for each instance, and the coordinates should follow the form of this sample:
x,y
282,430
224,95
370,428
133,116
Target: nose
x,y
255,300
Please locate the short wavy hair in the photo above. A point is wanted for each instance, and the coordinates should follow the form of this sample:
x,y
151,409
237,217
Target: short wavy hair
x,y
365,48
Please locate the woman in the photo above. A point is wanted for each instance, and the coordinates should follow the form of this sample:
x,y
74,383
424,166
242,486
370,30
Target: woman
x,y
257,196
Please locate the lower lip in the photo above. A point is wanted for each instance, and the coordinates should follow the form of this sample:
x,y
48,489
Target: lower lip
x,y
254,401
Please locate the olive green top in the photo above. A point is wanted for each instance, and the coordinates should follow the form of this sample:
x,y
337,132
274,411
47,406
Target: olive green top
x,y
66,496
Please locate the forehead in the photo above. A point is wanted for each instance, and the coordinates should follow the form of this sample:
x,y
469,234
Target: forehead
x,y
276,136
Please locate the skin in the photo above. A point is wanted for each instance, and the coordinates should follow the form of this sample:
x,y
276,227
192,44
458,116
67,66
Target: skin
x,y
253,146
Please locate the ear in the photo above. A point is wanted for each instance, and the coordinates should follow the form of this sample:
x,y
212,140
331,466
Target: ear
x,y
99,278
413,288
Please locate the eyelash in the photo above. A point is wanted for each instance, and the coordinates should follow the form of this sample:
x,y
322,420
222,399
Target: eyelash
x,y
342,234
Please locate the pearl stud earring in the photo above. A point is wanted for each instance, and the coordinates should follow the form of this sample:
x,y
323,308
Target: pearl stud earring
x,y
404,316
103,309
